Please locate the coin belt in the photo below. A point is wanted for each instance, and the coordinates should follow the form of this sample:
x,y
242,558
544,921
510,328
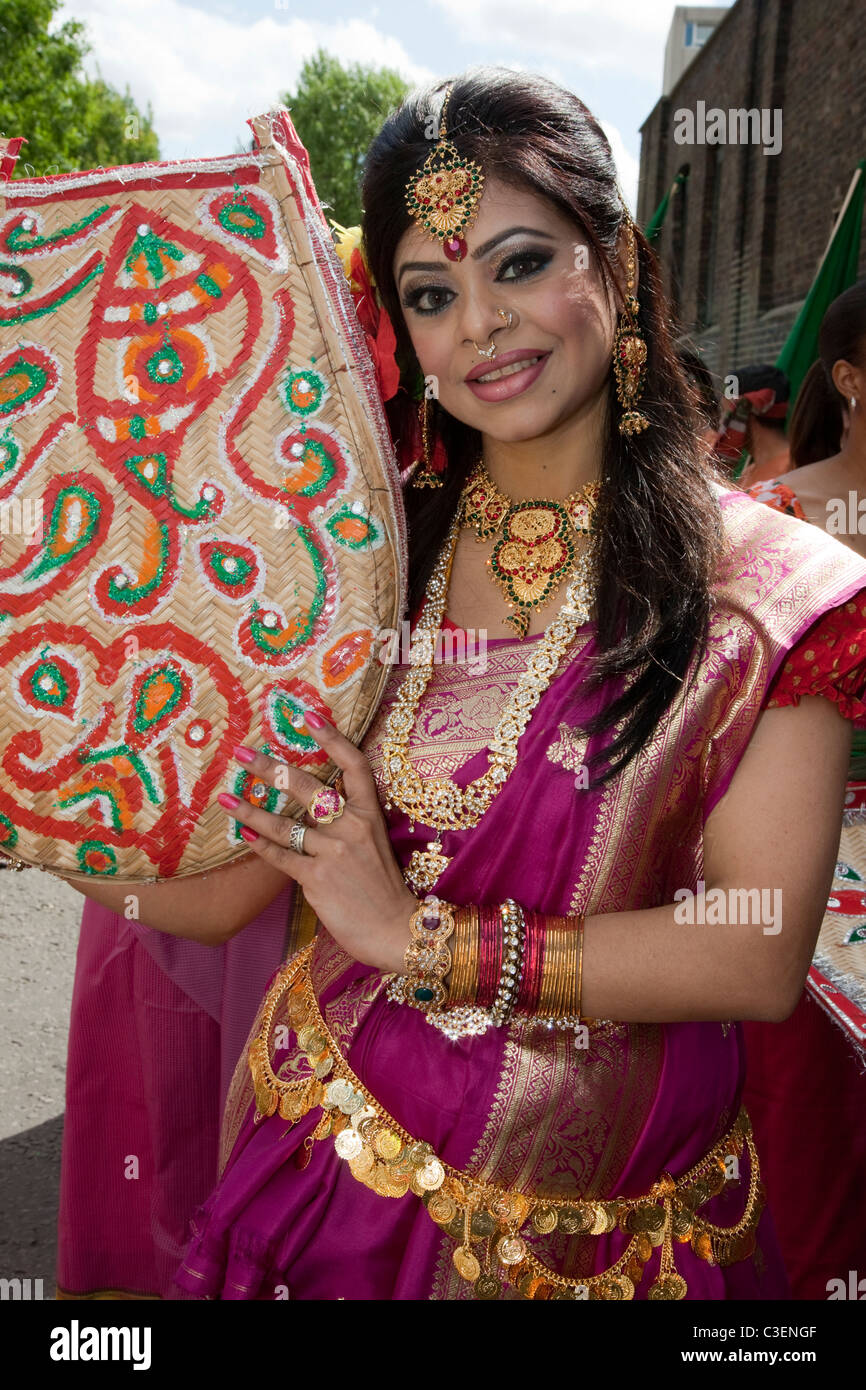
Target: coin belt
x,y
484,1219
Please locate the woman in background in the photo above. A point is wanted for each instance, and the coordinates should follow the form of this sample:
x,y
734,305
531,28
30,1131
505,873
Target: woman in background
x,y
805,1083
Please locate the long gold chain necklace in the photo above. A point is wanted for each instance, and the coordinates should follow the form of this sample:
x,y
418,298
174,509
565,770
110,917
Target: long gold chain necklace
x,y
536,549
439,802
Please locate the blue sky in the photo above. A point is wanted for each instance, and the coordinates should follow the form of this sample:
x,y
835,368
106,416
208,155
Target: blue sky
x,y
206,67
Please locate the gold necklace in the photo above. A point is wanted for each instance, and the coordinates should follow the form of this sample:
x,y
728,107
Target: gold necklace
x,y
439,802
536,550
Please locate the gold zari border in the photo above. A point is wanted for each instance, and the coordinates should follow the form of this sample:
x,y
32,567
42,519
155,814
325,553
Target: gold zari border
x,y
383,1156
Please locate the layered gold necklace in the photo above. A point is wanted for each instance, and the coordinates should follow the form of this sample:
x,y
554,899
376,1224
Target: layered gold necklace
x,y
536,549
438,802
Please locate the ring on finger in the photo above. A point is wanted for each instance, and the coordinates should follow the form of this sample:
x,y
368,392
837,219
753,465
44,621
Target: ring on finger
x,y
296,838
326,805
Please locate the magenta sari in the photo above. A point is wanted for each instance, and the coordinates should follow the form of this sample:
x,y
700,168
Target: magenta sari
x,y
519,1106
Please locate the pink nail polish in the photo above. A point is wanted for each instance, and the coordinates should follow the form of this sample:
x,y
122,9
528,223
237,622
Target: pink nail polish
x,y
230,802
244,754
248,834
315,721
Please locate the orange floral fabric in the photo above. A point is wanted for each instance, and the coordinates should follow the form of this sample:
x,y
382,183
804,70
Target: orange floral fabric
x,y
780,497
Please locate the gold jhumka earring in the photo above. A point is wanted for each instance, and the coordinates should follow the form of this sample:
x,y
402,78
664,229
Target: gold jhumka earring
x,y
629,349
425,475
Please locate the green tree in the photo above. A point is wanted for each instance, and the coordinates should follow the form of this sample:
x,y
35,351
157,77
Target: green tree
x,y
337,110
70,121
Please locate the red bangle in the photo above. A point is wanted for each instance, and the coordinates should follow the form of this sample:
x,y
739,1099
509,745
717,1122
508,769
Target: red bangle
x,y
533,964
490,955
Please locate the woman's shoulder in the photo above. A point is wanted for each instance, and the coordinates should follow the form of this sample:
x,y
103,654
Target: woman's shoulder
x,y
767,524
778,574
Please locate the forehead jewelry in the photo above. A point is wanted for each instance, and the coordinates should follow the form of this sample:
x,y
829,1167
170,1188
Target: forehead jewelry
x,y
442,196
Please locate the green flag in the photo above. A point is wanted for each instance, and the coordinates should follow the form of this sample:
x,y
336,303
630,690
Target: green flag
x,y
836,272
654,226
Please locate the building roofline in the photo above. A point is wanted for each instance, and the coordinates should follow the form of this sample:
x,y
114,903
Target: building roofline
x,y
692,65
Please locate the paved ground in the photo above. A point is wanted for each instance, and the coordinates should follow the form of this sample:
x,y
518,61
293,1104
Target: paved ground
x,y
39,919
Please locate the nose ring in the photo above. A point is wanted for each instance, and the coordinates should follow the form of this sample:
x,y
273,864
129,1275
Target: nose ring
x,y
490,352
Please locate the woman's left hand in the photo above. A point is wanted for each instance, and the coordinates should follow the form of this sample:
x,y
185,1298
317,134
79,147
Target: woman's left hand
x,y
348,871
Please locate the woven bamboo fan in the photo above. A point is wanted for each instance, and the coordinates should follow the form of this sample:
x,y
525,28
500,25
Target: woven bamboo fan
x,y
201,525
837,979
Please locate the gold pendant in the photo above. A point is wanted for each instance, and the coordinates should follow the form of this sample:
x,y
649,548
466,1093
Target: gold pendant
x,y
519,621
425,866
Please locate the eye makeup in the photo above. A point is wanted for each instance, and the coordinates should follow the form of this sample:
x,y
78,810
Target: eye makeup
x,y
413,297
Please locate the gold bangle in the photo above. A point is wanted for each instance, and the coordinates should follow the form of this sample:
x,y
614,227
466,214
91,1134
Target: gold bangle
x,y
561,968
550,968
582,922
463,987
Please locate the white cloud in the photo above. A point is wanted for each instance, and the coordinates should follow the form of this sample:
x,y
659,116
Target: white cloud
x,y
620,35
627,167
205,72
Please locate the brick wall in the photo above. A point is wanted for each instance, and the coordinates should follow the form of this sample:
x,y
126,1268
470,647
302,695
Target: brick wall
x,y
740,253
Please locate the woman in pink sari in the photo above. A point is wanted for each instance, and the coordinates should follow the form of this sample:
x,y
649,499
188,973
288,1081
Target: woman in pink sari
x,y
530,1086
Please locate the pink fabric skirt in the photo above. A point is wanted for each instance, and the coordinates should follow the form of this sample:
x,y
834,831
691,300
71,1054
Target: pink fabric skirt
x,y
806,1094
157,1025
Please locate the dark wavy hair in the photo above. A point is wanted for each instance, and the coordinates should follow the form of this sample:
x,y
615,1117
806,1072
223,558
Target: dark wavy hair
x,y
658,524
815,431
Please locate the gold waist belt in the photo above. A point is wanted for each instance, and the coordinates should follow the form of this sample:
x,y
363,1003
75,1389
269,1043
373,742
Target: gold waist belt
x,y
487,1220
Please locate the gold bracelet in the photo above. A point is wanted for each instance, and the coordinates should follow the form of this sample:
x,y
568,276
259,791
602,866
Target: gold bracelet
x,y
513,926
427,960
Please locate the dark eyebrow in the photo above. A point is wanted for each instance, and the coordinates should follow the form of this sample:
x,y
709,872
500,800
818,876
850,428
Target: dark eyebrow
x,y
480,251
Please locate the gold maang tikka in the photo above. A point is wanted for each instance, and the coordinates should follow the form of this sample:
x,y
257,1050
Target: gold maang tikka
x,y
442,196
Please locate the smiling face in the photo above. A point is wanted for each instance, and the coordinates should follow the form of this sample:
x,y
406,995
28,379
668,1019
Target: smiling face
x,y
523,255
